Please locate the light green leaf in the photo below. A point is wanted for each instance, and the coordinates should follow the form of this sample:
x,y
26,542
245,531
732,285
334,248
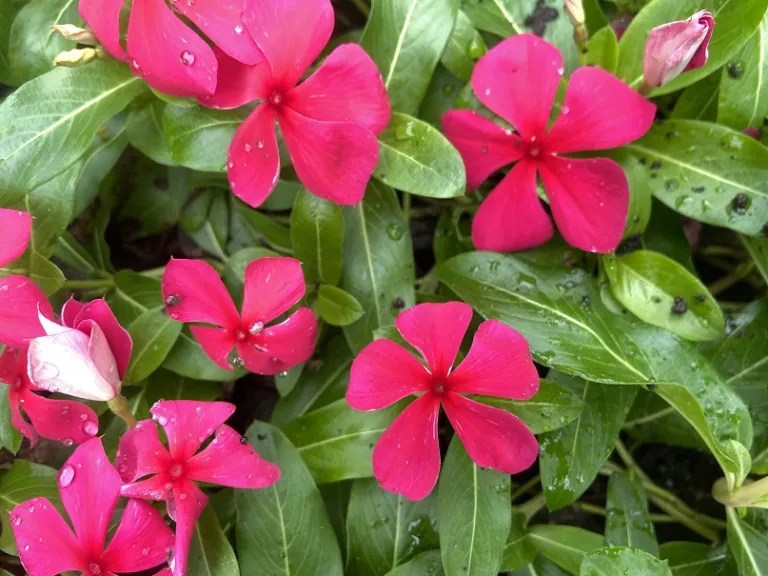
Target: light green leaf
x,y
748,546
612,561
154,335
627,522
336,307
604,49
694,559
145,131
317,232
210,553
758,250
566,546
425,563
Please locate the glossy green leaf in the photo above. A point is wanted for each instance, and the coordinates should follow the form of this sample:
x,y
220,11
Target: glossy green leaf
x,y
540,567
284,529
210,553
145,131
694,559
747,545
44,273
10,438
604,49
317,232
474,514
698,101
442,93
336,498
336,307
465,47
758,250
260,226
566,546
613,561
627,522
425,563
665,234
518,550
153,334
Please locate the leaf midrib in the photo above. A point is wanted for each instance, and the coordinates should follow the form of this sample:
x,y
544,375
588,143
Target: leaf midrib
x,y
369,262
420,164
735,522
339,438
399,45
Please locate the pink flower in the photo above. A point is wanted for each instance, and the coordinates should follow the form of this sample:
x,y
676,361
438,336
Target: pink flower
x,y
228,461
406,459
329,121
63,420
589,198
86,356
15,230
20,301
89,489
193,292
677,47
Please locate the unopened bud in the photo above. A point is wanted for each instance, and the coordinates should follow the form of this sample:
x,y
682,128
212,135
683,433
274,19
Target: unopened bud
x,y
575,11
76,34
76,58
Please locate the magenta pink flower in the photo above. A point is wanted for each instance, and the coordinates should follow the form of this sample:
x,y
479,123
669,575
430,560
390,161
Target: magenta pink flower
x,y
193,292
406,459
228,460
20,301
677,47
517,80
15,230
89,489
329,121
63,420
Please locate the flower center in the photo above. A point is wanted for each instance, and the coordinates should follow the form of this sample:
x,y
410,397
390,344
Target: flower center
x,y
175,471
438,387
276,98
94,569
533,149
18,382
240,335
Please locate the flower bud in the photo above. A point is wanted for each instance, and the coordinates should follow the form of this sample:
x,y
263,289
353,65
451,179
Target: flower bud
x,y
76,34
677,47
575,11
76,58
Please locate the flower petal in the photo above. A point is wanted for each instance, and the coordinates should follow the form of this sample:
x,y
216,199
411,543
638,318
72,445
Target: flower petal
x,y
599,112
89,488
46,544
157,487
272,286
187,505
168,54
260,362
383,373
69,312
103,17
228,461
141,452
512,218
15,230
17,420
292,341
436,331
188,423
253,165
193,292
484,145
63,420
238,84
118,338
406,459
19,302
499,364
142,540
347,87
589,200
216,342
290,34
334,160
518,79
492,437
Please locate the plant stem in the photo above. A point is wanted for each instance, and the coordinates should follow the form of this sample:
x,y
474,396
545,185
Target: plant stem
x,y
530,507
600,511
102,283
119,405
739,273
362,6
525,487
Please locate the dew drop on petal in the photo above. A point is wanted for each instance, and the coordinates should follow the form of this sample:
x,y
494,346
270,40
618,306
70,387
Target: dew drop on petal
x,y
67,441
90,428
83,416
248,147
187,58
256,327
239,29
66,476
15,519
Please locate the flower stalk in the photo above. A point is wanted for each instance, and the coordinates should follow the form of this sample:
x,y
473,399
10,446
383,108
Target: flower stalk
x,y
119,406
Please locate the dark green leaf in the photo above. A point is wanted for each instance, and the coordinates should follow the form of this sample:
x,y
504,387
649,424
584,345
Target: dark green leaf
x,y
627,522
518,550
698,101
336,498
465,47
613,561
145,131
748,546
425,563
336,307
69,251
442,93
665,234
540,567
187,358
260,226
211,237
8,11
10,438
694,559
758,250
566,546
234,270
154,334
210,553
317,231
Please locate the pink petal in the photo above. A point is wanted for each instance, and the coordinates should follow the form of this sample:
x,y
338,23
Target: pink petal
x,y
499,364
518,79
15,230
334,160
69,312
228,461
292,341
599,112
260,362
156,488
216,342
272,286
677,47
436,331
13,372
17,420
141,452
589,200
142,540
492,437
193,292
118,338
220,20
188,423
89,488
19,302
382,374
347,87
168,54
188,504
484,145
103,17
406,459
700,57
512,218
253,165
63,420
238,84
290,34
46,544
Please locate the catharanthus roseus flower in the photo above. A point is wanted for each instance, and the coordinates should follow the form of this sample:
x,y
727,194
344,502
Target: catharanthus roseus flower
x,y
63,420
89,487
406,459
86,356
329,122
228,461
677,47
20,302
193,292
517,80
15,230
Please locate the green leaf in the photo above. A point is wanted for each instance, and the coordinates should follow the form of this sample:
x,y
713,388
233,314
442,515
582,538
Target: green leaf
x,y
566,546
284,529
748,546
165,385
10,438
758,250
518,550
627,522
699,101
153,334
665,234
210,553
415,157
425,563
145,131
8,11
708,172
212,235
317,233
45,273
612,561
384,530
336,498
442,93
187,358
69,251
260,226
378,266
474,514
650,285
604,49
405,38
694,558
336,307
465,47
540,567
336,442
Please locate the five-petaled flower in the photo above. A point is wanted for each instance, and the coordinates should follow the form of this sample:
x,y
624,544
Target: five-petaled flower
x,y
406,460
15,231
193,292
228,460
89,487
518,80
329,122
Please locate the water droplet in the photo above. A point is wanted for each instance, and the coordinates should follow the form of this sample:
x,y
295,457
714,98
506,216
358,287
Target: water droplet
x,y
476,48
239,29
66,476
67,441
735,70
565,110
247,147
405,131
187,58
15,519
90,428
260,144
487,91
256,327
45,371
561,71
394,231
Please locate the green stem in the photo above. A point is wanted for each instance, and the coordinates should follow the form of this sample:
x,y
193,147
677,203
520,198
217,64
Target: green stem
x,y
119,405
102,283
530,507
600,511
739,273
525,488
362,6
